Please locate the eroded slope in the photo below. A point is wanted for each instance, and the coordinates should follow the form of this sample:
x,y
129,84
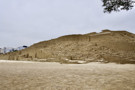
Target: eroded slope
x,y
106,46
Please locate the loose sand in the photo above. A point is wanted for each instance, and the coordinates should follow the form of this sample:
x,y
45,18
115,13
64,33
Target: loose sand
x,y
25,75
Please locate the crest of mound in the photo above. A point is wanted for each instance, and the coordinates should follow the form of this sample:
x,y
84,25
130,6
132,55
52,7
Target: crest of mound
x,y
106,46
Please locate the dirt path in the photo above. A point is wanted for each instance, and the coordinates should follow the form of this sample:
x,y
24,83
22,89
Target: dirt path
x,y
54,76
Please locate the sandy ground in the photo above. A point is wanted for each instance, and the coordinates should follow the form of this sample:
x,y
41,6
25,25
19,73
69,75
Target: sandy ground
x,y
23,75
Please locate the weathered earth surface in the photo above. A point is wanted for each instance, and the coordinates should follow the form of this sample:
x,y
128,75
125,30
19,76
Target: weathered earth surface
x,y
55,76
106,46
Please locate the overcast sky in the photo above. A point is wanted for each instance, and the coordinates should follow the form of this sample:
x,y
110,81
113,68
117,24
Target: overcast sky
x,y
24,22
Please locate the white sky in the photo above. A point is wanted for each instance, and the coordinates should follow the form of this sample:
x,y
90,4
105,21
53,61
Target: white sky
x,y
24,22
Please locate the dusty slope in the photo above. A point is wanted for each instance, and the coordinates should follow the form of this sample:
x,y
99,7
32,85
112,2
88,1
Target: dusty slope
x,y
54,76
107,46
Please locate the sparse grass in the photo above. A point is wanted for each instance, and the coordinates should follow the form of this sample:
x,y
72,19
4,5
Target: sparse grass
x,y
55,76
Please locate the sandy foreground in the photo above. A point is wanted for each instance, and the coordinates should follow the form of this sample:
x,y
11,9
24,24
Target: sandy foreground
x,y
26,75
